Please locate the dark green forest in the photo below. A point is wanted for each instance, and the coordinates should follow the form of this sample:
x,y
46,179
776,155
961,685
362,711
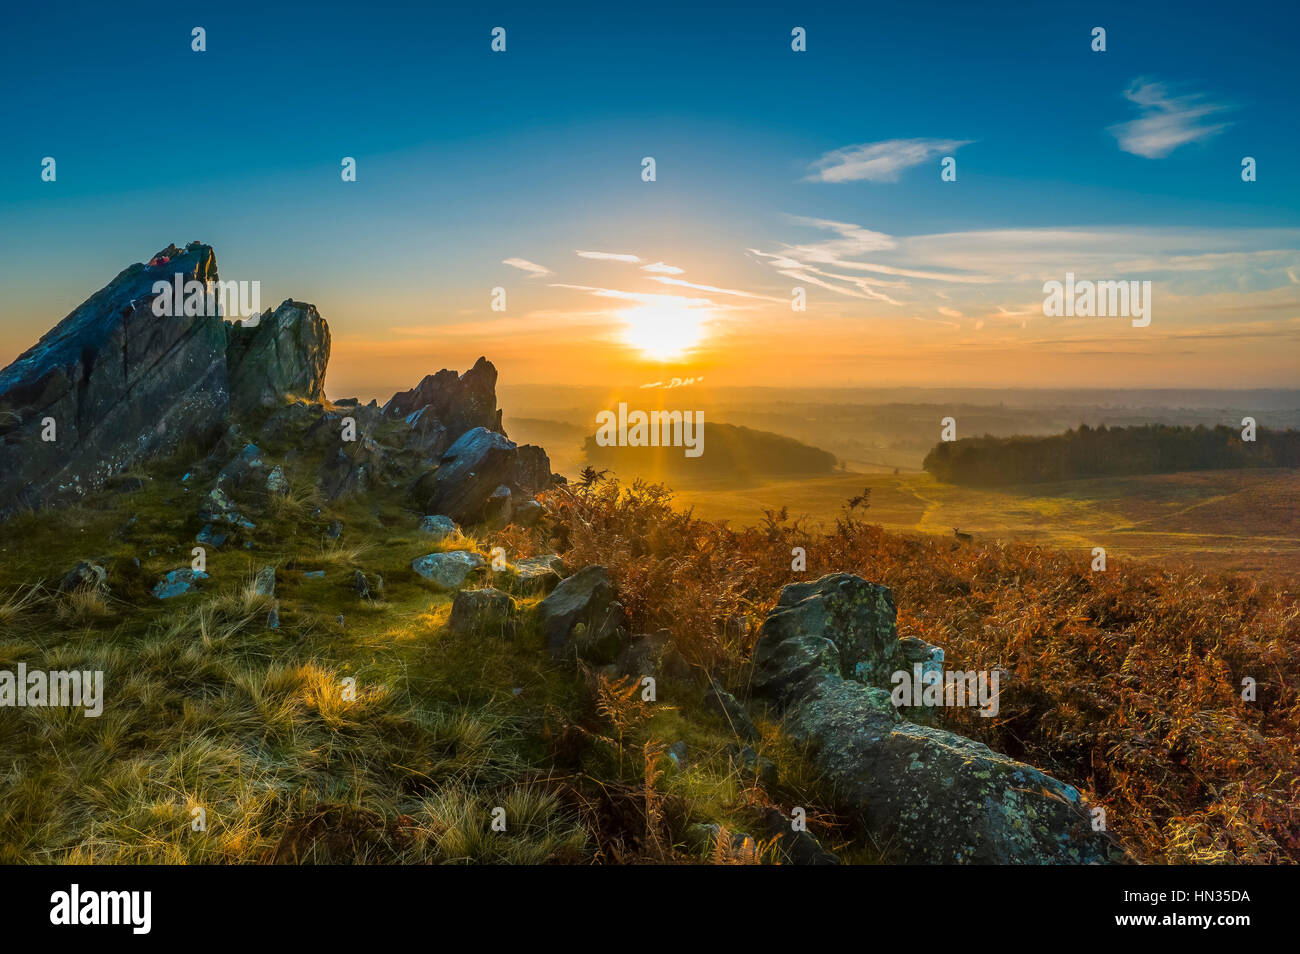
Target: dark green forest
x,y
1108,452
730,450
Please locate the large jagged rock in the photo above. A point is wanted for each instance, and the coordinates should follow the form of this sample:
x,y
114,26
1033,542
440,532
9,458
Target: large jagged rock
x,y
460,402
925,795
118,382
284,353
472,471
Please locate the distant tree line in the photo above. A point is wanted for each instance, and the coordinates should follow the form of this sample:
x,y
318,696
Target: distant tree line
x,y
1108,452
729,450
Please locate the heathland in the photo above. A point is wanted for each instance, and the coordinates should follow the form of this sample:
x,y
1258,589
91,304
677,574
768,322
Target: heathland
x,y
346,632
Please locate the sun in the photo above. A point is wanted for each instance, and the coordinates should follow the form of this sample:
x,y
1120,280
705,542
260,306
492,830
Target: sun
x,y
663,331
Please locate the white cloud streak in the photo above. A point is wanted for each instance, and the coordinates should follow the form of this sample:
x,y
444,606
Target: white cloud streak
x,y
879,161
524,265
1166,121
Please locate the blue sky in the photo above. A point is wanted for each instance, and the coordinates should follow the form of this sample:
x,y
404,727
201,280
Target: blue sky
x,y
467,158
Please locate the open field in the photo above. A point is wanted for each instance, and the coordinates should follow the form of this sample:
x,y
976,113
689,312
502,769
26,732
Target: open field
x,y
1246,521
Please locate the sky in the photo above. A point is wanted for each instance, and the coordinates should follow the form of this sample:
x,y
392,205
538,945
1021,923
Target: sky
x,y
774,170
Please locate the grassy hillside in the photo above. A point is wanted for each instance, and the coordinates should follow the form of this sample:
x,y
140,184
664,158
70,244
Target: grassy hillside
x,y
1245,521
211,710
1125,684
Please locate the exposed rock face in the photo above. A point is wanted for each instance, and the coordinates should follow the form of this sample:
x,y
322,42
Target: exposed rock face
x,y
459,401
351,469
932,796
581,611
473,469
284,354
118,382
429,437
858,616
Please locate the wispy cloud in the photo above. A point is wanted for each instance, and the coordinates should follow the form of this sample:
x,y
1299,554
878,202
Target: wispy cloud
x,y
524,265
1166,120
662,269
611,257
719,291
879,161
644,298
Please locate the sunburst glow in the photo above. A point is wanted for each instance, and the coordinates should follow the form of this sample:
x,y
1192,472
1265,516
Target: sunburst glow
x,y
664,331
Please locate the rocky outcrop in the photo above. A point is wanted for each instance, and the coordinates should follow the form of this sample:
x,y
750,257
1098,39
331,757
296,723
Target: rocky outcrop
x,y
924,794
467,485
277,354
112,384
460,402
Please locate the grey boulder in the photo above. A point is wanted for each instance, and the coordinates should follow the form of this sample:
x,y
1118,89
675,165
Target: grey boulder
x,y
582,615
448,571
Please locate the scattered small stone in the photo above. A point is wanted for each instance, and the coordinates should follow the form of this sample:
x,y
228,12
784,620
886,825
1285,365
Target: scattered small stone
x,y
314,575
210,536
439,526
448,570
536,574
704,839
178,583
264,583
731,710
487,611
85,575
677,754
751,765
276,482
797,847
